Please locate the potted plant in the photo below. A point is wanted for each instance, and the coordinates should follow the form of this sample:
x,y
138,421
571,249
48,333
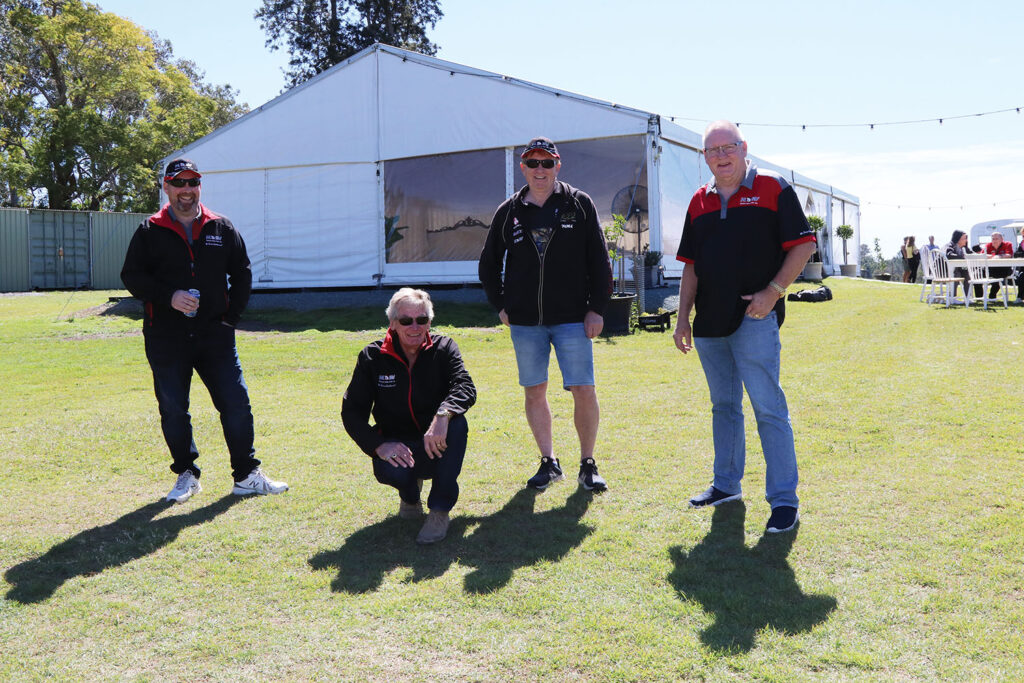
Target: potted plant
x,y
845,232
619,313
652,264
812,271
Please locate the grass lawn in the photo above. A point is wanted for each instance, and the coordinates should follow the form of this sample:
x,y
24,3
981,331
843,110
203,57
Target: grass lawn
x,y
908,564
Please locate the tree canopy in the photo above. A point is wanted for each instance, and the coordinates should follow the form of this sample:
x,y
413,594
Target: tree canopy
x,y
89,104
321,33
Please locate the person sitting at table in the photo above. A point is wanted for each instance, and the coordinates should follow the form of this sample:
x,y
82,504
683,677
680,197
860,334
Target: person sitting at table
x,y
998,248
416,387
955,248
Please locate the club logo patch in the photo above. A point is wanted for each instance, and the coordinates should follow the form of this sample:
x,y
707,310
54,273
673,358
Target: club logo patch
x,y
386,381
214,241
749,200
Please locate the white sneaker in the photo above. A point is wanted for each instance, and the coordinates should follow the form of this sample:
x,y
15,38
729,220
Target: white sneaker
x,y
186,485
257,482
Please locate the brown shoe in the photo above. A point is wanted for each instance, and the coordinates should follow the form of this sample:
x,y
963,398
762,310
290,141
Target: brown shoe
x,y
409,510
434,529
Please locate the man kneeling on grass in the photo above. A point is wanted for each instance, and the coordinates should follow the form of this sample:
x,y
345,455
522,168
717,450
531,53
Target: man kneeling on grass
x,y
418,390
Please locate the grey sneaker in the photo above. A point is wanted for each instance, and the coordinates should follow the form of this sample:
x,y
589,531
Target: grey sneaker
x,y
548,472
713,497
186,485
258,483
589,478
434,529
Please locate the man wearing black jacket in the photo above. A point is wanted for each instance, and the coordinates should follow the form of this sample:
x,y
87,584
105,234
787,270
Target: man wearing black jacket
x,y
182,249
545,269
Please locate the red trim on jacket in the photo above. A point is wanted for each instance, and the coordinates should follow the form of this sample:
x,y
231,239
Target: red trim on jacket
x,y
389,347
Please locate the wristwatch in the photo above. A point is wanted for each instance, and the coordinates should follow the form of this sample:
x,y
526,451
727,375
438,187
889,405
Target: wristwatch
x,y
444,412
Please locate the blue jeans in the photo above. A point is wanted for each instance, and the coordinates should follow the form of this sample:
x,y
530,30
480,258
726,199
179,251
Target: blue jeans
x,y
749,357
444,471
575,353
212,354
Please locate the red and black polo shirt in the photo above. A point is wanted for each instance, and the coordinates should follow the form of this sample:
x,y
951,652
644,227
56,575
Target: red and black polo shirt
x,y
738,248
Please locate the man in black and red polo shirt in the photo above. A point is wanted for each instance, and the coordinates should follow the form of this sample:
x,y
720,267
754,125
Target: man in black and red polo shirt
x,y
182,249
744,241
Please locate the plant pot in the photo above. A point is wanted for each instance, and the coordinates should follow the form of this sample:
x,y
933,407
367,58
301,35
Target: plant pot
x,y
812,271
616,315
865,273
650,276
848,271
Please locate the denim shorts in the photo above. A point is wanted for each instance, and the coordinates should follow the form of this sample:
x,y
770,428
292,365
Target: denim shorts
x,y
575,353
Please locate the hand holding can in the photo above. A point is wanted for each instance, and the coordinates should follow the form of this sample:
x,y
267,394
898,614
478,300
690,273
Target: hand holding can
x,y
194,293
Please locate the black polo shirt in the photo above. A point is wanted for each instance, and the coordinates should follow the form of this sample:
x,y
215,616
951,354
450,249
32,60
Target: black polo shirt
x,y
738,248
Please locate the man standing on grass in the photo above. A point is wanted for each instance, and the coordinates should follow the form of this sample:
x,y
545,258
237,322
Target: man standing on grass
x,y
182,249
745,239
545,269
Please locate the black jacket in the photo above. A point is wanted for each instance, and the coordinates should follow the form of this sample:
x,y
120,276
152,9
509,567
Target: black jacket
x,y
573,275
403,402
160,261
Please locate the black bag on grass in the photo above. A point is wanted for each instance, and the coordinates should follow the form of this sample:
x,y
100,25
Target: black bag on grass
x,y
822,293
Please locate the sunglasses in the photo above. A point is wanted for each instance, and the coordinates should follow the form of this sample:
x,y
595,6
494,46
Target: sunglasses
x,y
182,182
419,320
534,163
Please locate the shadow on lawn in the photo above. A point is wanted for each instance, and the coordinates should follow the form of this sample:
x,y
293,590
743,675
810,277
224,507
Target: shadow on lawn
x,y
511,538
90,552
746,589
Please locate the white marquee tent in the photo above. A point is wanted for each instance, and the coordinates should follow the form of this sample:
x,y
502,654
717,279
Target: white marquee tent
x,y
387,168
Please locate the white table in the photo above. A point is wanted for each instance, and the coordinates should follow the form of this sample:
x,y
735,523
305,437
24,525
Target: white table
x,y
989,263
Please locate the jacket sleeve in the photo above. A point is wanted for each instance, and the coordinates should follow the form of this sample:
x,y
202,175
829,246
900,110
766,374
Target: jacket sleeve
x,y
357,404
461,390
492,258
599,267
137,272
239,278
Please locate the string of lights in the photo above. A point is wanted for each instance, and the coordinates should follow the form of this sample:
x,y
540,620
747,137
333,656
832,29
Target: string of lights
x,y
958,207
870,126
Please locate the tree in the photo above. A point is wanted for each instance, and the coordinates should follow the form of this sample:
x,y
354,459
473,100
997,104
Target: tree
x,y
321,33
89,104
844,232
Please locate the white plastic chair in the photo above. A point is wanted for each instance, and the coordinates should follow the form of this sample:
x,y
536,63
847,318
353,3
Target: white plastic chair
x,y
926,270
977,274
943,283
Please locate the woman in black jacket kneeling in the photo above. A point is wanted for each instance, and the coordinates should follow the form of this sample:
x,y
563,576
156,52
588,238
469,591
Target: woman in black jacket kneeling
x,y
417,389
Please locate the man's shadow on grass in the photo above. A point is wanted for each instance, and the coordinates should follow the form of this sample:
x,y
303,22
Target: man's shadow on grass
x,y
511,538
745,589
92,551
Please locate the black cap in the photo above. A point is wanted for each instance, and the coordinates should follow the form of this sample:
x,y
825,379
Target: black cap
x,y
180,166
543,144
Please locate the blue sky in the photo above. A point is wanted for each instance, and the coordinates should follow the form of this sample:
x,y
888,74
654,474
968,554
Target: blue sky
x,y
757,63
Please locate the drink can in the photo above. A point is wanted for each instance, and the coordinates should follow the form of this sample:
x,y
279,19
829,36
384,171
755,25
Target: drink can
x,y
195,293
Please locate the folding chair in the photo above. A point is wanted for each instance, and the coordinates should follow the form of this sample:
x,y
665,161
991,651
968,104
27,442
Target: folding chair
x,y
926,269
977,274
942,280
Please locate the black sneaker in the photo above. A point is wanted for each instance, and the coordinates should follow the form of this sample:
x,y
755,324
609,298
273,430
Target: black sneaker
x,y
589,478
548,473
783,519
713,497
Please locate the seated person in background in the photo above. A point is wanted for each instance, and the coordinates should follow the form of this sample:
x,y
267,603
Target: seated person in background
x,y
998,248
955,249
418,390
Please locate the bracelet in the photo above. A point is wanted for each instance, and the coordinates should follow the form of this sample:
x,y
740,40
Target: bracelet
x,y
778,288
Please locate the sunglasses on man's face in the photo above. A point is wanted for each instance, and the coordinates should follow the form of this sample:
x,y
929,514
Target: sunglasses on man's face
x,y
419,320
534,163
182,182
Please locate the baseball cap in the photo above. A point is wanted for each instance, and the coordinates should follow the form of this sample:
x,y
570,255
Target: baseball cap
x,y
543,144
180,166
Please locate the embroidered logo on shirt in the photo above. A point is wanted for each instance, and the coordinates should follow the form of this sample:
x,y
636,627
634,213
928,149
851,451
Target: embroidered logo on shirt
x,y
386,381
517,231
749,200
214,241
569,220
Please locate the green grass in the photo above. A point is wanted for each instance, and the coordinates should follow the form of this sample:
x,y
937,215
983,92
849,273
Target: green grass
x,y
907,565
